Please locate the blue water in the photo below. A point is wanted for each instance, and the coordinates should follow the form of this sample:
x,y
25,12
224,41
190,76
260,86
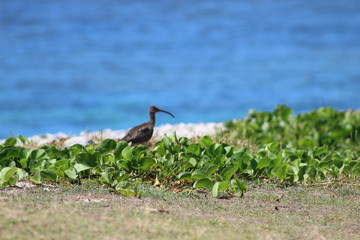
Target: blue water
x,y
67,66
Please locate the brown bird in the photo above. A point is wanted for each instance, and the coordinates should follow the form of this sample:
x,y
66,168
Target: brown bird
x,y
142,133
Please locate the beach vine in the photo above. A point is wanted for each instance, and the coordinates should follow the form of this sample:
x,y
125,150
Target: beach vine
x,y
322,145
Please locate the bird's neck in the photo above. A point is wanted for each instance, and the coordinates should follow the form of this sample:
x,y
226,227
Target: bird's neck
x,y
152,118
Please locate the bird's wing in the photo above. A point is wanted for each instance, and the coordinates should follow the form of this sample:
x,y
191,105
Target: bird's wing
x,y
139,134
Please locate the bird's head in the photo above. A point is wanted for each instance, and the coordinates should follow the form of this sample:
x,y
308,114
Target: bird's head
x,y
154,110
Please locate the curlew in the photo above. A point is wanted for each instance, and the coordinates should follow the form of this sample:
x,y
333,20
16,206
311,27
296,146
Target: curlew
x,y
142,133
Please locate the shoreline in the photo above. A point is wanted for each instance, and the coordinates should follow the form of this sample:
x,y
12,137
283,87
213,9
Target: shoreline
x,y
188,130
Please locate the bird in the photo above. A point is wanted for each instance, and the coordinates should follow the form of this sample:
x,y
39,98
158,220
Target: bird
x,y
143,132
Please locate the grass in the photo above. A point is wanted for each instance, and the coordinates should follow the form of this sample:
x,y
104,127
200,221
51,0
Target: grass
x,y
266,212
272,208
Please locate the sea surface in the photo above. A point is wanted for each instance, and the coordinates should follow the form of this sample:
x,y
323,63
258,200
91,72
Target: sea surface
x,y
74,65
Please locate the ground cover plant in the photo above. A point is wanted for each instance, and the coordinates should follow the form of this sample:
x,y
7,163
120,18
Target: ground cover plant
x,y
338,130
321,145
273,148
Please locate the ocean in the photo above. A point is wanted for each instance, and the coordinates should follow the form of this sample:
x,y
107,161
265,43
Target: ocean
x,y
69,66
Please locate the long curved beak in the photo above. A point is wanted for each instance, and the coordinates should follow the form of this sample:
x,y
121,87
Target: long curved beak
x,y
166,112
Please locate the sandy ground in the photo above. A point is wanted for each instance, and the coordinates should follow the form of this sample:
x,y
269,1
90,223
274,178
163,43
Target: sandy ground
x,y
188,130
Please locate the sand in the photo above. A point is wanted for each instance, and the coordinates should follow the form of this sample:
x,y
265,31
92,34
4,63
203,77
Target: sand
x,y
188,130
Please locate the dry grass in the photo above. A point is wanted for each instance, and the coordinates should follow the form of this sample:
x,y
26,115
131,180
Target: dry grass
x,y
266,212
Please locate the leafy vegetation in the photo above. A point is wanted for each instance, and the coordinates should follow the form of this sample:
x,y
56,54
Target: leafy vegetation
x,y
321,145
322,127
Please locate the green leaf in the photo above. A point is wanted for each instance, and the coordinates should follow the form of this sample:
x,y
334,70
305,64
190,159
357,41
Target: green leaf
x,y
62,164
146,162
139,151
128,189
48,174
90,149
71,174
37,154
119,149
86,159
320,151
228,172
22,174
203,183
263,162
8,153
36,178
210,169
338,163
81,167
125,192
219,186
168,143
10,142
122,177
194,149
198,174
280,172
6,174
107,145
283,111
219,149
241,160
107,159
192,162
106,177
238,186
185,176
127,153
160,148
272,147
229,151
206,141
23,163
253,164
9,173
22,139
307,142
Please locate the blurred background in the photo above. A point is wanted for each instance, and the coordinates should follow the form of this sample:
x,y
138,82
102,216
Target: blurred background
x,y
67,66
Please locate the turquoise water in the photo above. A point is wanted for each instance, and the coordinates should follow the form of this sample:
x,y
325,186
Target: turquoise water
x,y
67,66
